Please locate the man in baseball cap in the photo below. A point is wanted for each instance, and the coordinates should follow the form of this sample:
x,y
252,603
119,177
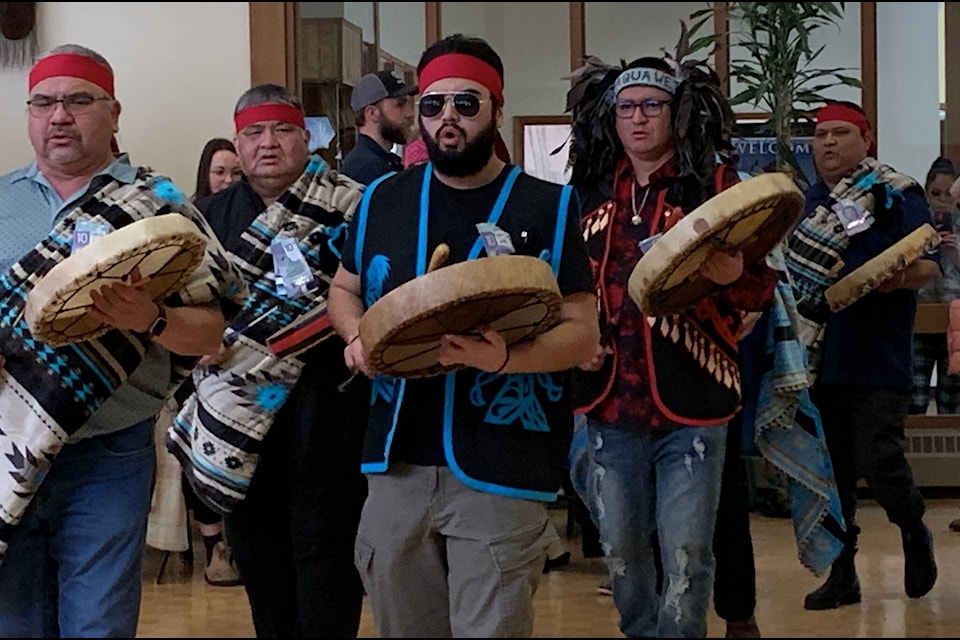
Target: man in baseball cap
x,y
383,104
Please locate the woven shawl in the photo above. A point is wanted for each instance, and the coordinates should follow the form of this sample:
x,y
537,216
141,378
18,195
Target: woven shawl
x,y
47,394
788,432
813,254
218,433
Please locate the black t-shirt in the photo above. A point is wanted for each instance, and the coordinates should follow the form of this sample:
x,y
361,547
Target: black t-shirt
x,y
418,438
230,211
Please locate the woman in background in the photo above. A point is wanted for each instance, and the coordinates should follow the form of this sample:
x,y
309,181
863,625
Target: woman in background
x,y
218,168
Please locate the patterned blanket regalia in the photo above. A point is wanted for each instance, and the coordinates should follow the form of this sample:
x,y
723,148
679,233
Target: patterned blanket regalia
x,y
47,394
219,431
815,248
789,433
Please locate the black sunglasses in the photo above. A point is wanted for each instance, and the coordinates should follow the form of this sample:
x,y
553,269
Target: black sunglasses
x,y
466,104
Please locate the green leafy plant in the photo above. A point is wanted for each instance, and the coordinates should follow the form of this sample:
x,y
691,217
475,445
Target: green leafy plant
x,y
778,72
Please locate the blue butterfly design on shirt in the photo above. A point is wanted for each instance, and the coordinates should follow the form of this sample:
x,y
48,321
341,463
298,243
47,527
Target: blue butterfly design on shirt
x,y
516,399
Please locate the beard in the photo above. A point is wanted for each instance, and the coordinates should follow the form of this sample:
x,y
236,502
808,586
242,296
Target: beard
x,y
393,132
470,160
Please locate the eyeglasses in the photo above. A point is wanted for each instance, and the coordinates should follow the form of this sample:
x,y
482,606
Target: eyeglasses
x,y
75,103
279,130
466,104
650,107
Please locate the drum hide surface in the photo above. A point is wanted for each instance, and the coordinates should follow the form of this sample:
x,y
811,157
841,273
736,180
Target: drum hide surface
x,y
518,296
167,249
752,217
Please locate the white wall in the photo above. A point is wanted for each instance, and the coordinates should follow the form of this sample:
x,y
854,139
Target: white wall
x,y
630,30
179,68
403,30
908,86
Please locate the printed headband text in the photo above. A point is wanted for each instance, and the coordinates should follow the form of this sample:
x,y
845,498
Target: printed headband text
x,y
645,77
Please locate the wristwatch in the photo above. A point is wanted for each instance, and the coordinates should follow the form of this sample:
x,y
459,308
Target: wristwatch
x,y
160,324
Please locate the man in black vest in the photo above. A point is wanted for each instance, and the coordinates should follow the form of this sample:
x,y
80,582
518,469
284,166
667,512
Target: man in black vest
x,y
454,533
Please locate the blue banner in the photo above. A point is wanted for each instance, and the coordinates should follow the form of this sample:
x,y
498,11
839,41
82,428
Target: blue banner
x,y
757,154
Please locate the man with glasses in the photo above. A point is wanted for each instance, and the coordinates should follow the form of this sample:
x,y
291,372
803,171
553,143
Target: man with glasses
x,y
454,534
383,105
292,534
72,566
658,393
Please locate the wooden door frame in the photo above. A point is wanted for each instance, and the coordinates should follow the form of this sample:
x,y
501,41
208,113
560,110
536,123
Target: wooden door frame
x,y
273,40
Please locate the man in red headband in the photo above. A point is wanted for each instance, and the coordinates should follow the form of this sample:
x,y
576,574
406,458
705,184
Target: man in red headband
x,y
72,566
292,535
861,355
454,534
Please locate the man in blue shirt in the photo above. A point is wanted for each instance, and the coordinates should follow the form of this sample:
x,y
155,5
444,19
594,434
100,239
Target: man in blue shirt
x,y
72,563
384,114
864,372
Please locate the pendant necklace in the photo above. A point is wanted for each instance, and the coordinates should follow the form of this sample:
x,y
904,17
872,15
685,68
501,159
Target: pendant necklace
x,y
636,219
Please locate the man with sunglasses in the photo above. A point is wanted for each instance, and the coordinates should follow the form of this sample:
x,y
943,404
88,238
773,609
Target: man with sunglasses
x,y
454,533
383,105
658,393
72,564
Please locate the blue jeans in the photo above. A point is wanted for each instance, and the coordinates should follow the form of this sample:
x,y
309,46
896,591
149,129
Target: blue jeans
x,y
644,487
73,567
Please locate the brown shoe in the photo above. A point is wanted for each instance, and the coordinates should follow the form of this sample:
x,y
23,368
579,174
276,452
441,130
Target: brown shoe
x,y
955,525
221,572
743,628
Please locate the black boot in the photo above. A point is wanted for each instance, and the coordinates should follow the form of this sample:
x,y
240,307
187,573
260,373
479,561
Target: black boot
x,y
919,565
842,587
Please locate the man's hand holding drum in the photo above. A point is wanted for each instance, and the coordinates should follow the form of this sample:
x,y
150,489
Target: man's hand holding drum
x,y
125,306
722,267
489,352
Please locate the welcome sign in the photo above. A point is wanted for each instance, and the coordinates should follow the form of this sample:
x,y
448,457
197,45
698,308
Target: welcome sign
x,y
757,153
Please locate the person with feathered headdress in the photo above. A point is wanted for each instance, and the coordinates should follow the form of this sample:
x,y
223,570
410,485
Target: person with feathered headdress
x,y
650,143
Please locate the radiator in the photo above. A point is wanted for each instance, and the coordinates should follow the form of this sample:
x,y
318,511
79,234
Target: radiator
x,y
934,455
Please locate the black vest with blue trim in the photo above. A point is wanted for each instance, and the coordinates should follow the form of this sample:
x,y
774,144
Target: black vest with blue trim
x,y
504,434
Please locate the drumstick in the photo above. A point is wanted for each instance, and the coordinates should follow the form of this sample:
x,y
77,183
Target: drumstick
x,y
439,257
233,337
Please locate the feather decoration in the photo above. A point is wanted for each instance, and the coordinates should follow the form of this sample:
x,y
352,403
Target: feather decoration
x,y
702,121
594,145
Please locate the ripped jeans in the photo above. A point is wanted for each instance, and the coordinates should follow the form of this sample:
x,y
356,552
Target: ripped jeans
x,y
643,487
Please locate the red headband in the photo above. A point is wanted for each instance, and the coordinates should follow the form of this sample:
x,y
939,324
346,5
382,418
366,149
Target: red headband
x,y
75,66
268,112
844,113
461,65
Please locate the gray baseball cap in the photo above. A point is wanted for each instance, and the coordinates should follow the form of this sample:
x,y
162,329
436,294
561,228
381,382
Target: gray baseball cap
x,y
374,87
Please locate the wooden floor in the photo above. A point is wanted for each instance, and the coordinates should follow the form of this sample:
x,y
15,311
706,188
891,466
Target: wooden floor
x,y
569,606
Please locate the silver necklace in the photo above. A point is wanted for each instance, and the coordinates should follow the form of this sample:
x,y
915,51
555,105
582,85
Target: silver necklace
x,y
636,220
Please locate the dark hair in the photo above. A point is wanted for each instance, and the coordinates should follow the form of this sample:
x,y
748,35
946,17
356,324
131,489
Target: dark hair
x,y
203,168
940,167
268,92
700,116
469,45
